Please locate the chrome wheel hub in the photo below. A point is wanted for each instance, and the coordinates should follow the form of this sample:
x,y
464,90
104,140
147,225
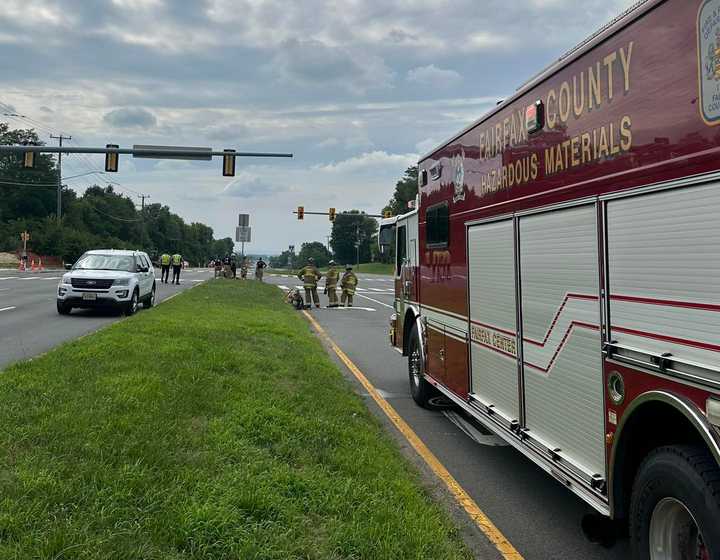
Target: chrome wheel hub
x,y
674,534
415,367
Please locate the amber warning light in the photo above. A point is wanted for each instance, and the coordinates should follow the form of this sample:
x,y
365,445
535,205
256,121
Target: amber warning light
x,y
535,117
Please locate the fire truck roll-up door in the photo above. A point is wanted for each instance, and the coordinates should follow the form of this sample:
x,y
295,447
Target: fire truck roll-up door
x,y
550,387
664,281
563,382
493,322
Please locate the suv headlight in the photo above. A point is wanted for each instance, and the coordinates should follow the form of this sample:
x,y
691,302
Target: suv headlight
x,y
122,282
66,279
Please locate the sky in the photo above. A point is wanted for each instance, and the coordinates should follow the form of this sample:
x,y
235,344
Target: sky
x,y
357,90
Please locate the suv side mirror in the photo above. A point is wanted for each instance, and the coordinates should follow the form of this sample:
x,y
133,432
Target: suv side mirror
x,y
68,266
141,268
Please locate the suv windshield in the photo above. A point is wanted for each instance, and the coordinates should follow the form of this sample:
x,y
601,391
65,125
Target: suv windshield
x,y
105,262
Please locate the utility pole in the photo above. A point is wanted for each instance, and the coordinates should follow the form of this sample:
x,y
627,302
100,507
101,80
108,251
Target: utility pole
x,y
59,187
142,197
357,247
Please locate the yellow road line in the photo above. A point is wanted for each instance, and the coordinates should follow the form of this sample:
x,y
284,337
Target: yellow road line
x,y
493,534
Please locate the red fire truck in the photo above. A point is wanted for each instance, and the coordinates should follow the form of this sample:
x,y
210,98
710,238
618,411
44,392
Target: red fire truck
x,y
559,279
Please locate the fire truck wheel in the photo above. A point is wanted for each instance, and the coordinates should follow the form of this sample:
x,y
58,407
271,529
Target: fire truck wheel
x,y
675,505
420,389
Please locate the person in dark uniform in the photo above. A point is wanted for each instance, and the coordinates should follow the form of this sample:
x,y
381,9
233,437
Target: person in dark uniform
x,y
260,269
226,266
233,266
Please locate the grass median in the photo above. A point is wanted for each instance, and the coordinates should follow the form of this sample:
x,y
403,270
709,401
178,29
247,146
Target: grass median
x,y
214,426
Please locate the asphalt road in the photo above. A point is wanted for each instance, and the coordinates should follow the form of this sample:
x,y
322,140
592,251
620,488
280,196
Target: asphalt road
x,y
534,512
30,324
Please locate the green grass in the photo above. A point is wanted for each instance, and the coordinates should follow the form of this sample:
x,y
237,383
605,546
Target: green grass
x,y
212,427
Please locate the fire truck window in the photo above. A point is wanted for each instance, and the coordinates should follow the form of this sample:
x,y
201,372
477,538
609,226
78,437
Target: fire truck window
x,y
437,228
401,252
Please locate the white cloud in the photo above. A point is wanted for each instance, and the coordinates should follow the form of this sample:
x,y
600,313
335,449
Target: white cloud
x,y
370,162
249,186
425,146
33,12
433,76
138,4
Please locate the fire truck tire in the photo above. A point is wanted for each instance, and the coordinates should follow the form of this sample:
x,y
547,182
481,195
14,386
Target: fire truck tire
x,y
675,505
420,389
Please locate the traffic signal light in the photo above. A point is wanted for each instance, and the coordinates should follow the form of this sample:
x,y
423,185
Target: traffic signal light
x,y
387,214
331,214
301,212
29,160
111,159
229,163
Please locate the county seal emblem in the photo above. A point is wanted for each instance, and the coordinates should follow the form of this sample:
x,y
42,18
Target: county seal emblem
x,y
708,33
459,176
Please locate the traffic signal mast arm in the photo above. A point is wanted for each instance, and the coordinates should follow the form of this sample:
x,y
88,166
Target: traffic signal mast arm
x,y
112,152
306,212
156,152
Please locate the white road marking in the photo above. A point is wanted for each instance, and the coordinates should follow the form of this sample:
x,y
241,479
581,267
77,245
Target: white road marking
x,y
30,277
375,301
8,308
341,308
283,287
378,289
52,278
8,277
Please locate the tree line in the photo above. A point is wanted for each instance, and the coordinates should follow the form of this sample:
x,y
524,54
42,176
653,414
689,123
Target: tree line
x,y
99,218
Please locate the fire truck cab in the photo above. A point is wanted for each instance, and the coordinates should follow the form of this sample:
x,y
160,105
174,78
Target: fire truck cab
x,y
559,280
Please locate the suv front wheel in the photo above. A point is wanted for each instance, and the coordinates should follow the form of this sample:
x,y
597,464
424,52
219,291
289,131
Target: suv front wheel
x,y
63,308
132,306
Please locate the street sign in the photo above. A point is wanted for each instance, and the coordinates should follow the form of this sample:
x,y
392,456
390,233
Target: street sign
x,y
25,236
166,152
243,220
242,234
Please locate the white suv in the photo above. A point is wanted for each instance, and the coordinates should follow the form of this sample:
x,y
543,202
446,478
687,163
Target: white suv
x,y
108,278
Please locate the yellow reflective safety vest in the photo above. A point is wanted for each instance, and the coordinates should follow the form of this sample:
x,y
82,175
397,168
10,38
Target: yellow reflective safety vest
x,y
165,260
176,259
310,276
331,278
349,282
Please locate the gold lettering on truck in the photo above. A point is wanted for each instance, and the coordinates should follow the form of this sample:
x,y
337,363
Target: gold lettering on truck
x,y
494,339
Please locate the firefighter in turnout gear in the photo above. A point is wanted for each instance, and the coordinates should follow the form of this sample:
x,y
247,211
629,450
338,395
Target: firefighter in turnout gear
x,y
331,281
165,267
348,284
310,276
177,262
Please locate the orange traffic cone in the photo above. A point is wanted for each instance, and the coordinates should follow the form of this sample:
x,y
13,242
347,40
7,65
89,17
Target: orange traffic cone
x,y
32,265
40,266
